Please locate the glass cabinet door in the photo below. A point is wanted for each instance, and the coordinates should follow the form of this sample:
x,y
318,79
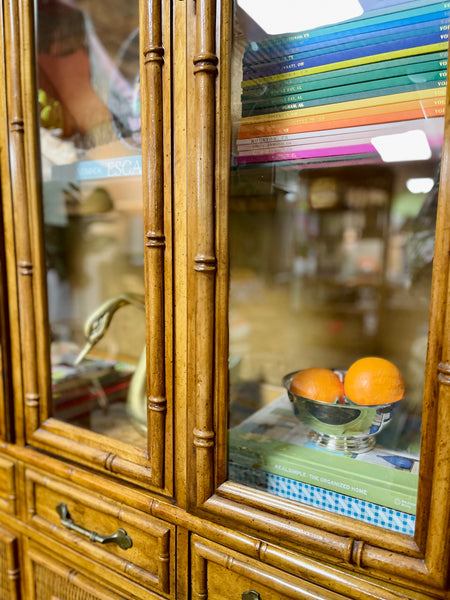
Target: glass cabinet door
x,y
98,235
337,127
90,128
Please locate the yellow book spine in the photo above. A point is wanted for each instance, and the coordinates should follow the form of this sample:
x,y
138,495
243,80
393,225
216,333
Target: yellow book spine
x,y
353,62
342,106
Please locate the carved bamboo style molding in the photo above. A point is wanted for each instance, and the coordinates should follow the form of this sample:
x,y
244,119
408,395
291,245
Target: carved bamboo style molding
x,y
22,217
240,567
205,71
155,241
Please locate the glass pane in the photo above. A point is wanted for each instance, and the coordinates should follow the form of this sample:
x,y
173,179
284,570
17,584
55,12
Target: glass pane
x,y
89,111
337,133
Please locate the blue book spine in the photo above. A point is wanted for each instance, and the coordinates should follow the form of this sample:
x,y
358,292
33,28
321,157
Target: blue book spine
x,y
280,45
378,70
337,99
285,487
128,166
392,5
439,23
361,51
433,79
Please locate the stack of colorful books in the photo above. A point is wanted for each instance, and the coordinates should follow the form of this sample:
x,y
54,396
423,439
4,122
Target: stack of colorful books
x,y
322,95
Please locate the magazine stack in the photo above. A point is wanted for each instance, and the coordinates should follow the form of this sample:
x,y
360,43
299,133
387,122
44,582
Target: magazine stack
x,y
322,95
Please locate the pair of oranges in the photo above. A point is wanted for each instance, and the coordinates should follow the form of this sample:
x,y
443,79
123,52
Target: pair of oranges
x,y
369,381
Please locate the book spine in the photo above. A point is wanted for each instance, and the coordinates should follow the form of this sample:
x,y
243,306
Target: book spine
x,y
338,56
304,154
128,166
367,20
280,51
316,163
288,145
435,93
350,63
403,111
438,22
398,497
361,35
378,87
378,70
334,137
327,141
334,502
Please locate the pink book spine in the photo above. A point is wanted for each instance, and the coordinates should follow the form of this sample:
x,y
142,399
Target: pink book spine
x,y
314,153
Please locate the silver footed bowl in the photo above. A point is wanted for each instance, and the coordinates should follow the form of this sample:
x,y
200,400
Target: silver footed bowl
x,y
347,427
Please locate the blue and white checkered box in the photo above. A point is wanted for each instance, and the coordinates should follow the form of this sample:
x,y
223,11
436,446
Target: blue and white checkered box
x,y
324,499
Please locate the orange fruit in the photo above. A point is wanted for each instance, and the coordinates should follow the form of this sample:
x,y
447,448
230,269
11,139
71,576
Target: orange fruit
x,y
318,384
372,380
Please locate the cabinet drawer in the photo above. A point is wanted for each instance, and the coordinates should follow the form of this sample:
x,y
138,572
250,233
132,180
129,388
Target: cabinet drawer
x,y
148,560
222,574
50,578
7,486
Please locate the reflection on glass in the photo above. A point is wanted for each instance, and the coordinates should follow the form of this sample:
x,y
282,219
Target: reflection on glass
x,y
336,141
89,112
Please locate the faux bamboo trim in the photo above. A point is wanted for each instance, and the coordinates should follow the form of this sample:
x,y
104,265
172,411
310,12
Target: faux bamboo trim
x,y
155,241
205,71
351,550
21,216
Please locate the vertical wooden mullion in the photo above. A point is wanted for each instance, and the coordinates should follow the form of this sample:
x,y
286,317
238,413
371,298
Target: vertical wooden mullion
x,y
222,168
205,71
28,19
434,484
21,218
433,513
435,354
155,241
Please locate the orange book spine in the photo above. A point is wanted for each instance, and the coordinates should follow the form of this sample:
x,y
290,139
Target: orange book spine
x,y
404,111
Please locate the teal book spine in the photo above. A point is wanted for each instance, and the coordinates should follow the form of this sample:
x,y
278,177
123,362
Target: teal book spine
x,y
437,20
438,26
370,21
409,65
433,79
331,99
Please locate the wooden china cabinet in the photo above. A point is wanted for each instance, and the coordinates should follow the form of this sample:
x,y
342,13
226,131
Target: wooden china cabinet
x,y
180,233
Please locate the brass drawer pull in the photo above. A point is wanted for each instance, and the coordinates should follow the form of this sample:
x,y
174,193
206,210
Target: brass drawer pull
x,y
251,595
120,537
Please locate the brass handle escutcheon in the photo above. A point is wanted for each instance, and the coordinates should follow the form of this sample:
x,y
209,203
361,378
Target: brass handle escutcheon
x,y
121,538
251,595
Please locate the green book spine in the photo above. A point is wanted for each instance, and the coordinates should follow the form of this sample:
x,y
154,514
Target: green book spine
x,y
338,87
386,486
345,93
399,66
